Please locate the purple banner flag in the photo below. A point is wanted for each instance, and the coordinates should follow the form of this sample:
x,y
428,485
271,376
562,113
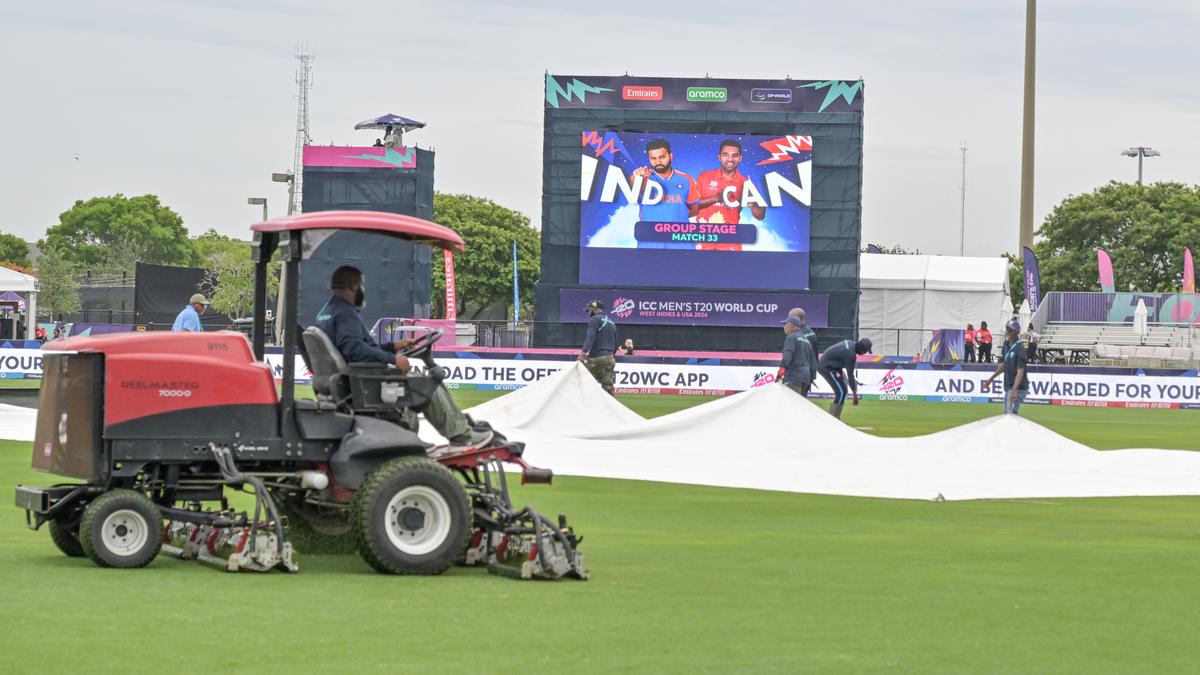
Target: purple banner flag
x,y
694,308
1033,281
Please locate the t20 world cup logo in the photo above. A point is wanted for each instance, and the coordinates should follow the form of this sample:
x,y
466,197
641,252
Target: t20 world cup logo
x,y
622,308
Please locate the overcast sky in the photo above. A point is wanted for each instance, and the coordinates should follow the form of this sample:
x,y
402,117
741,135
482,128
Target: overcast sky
x,y
195,101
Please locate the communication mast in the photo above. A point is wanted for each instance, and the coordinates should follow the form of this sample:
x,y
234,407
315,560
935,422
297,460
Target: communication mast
x,y
962,214
303,83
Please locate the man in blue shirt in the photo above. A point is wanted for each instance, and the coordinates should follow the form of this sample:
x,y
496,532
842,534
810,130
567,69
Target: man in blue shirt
x,y
341,321
599,346
837,367
680,197
1014,360
188,320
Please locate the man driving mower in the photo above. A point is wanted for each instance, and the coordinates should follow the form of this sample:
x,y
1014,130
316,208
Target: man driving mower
x,y
339,318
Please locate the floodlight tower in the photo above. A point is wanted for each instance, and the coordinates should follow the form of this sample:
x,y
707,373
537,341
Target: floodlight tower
x,y
303,83
1141,152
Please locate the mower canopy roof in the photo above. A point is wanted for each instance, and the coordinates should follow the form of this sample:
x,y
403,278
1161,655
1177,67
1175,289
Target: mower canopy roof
x,y
388,224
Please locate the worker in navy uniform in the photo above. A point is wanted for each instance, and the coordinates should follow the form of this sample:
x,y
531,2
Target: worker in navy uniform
x,y
599,345
1013,362
341,321
798,368
837,367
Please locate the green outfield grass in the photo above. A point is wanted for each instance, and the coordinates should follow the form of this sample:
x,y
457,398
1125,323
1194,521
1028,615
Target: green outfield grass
x,y
685,579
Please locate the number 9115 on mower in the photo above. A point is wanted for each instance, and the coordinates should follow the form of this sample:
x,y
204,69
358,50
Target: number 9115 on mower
x,y
156,428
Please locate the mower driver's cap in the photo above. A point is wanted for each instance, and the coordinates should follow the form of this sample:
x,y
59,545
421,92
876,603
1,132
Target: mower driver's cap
x,y
866,345
794,320
1014,326
595,304
198,299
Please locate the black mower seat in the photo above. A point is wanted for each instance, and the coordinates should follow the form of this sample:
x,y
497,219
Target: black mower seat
x,y
328,366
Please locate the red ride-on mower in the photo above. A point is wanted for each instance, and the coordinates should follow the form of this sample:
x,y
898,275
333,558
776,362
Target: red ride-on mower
x,y
158,425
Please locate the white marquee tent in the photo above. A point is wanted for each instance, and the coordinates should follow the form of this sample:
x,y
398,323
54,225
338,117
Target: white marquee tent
x,y
905,297
12,280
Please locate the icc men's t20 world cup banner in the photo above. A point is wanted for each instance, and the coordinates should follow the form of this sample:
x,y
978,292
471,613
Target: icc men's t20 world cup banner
x,y
706,211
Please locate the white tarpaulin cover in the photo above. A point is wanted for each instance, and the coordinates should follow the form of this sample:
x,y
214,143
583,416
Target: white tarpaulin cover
x,y
17,423
770,438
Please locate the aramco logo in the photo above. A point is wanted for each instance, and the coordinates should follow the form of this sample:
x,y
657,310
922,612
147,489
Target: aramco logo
x,y
622,308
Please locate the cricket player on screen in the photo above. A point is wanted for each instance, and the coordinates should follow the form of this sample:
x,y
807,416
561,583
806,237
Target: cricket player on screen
x,y
721,192
679,194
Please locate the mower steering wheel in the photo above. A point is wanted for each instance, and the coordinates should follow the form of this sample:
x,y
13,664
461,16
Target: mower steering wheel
x,y
422,344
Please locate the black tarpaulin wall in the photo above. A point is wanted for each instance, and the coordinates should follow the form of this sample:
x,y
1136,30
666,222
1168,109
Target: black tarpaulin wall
x,y
399,274
836,218
160,292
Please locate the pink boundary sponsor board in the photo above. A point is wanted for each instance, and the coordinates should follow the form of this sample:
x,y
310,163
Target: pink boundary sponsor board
x,y
360,157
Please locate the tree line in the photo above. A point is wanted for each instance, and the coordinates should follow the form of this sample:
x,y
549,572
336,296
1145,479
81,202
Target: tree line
x,y
111,234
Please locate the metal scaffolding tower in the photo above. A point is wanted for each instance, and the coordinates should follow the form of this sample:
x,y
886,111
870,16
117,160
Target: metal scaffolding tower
x,y
303,83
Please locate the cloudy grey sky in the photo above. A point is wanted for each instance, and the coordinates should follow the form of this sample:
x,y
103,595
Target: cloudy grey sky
x,y
193,100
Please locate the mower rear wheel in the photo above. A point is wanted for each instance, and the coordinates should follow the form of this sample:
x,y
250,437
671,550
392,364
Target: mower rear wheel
x,y
411,516
121,528
66,538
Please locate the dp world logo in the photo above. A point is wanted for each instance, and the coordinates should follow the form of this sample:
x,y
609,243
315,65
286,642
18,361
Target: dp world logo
x,y
622,308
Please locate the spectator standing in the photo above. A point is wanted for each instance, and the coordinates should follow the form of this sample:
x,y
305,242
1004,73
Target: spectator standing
x,y
599,345
983,342
188,320
1033,339
798,368
969,344
627,348
1013,365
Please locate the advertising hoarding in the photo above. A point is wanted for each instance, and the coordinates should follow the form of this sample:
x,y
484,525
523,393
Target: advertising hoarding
x,y
704,94
360,157
695,308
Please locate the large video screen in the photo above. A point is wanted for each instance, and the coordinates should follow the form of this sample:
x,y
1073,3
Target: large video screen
x,y
695,210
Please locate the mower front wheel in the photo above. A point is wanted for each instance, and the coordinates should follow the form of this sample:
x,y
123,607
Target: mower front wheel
x,y
121,528
411,516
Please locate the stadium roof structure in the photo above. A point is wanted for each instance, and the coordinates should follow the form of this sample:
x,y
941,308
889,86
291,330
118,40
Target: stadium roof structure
x,y
12,280
933,272
904,297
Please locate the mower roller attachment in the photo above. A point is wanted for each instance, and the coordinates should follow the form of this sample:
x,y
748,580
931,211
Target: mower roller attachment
x,y
518,543
229,540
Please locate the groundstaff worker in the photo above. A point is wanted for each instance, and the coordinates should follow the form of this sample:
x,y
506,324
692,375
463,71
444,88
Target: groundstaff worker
x,y
1013,362
837,367
340,320
798,368
599,345
805,332
189,319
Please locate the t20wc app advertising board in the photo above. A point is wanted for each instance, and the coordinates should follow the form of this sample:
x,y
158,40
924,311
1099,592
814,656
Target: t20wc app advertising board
x,y
695,210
